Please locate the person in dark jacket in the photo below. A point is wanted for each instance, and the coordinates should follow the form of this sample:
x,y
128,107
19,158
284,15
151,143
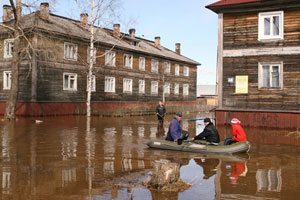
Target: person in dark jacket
x,y
175,133
160,112
210,133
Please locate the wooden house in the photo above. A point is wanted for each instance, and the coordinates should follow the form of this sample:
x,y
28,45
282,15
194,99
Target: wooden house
x,y
259,62
130,73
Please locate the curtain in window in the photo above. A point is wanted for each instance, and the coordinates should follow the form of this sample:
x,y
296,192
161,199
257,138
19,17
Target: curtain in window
x,y
266,76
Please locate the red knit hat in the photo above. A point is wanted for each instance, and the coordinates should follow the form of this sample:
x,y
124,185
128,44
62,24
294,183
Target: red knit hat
x,y
235,120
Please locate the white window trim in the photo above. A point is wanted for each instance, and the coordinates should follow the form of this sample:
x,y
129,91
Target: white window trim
x,y
128,64
75,81
65,53
142,86
186,71
154,83
127,88
177,70
93,86
142,63
88,55
6,83
261,35
7,43
167,67
167,88
185,89
260,76
113,88
176,88
111,62
154,65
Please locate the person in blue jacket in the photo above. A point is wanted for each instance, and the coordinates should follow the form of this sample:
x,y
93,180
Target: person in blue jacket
x,y
175,132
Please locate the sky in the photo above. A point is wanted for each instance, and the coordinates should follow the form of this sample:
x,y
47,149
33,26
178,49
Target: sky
x,y
174,21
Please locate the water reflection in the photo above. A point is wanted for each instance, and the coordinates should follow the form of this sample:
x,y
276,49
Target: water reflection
x,y
76,158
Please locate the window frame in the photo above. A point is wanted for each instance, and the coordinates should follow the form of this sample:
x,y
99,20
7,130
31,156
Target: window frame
x,y
8,47
127,88
68,88
142,83
154,84
177,70
154,65
128,64
167,67
167,88
93,88
186,71
75,46
88,55
142,64
113,88
261,25
185,89
110,61
176,88
260,75
6,80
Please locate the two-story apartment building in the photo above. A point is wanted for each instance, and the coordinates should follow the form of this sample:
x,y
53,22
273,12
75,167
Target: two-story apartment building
x,y
130,74
259,62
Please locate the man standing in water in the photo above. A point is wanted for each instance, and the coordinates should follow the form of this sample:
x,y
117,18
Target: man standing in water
x,y
160,112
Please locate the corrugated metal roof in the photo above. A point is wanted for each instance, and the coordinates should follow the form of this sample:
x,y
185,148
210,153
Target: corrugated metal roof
x,y
230,2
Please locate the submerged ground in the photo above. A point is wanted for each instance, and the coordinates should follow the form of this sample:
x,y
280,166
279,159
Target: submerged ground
x,y
107,158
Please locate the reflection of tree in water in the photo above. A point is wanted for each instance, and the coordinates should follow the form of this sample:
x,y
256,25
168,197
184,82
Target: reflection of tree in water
x,y
208,165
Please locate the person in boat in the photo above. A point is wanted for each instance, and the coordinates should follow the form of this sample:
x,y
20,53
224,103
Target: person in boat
x,y
175,133
210,134
238,133
160,112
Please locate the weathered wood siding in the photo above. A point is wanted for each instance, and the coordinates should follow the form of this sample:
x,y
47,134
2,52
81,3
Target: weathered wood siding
x,y
241,32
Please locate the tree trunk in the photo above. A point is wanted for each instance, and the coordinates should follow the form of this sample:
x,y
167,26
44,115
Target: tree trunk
x,y
10,111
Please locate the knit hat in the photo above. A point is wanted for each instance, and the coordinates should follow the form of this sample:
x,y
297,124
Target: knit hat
x,y
179,114
207,120
235,121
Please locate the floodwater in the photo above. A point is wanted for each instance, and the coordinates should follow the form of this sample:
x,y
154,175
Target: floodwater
x,y
65,158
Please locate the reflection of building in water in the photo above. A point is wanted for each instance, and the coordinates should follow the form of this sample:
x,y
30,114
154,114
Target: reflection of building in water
x,y
268,180
68,176
5,145
127,130
69,143
141,131
6,184
109,150
153,131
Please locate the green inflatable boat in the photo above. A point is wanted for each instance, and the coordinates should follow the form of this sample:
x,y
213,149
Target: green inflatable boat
x,y
189,146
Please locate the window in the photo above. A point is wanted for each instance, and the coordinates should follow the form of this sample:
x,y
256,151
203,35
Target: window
x,y
70,81
6,80
142,63
185,71
128,60
270,75
154,87
8,48
270,25
154,65
109,84
176,88
94,55
167,87
70,51
176,70
93,86
167,68
127,85
185,91
141,86
110,58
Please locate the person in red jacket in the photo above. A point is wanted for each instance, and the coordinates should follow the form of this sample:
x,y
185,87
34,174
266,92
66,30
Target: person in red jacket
x,y
238,133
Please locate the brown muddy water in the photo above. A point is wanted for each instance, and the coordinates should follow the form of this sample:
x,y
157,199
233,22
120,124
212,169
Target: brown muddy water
x,y
66,158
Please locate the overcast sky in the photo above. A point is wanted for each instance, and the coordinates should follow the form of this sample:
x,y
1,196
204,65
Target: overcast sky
x,y
175,21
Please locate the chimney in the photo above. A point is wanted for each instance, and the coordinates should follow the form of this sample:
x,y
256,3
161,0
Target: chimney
x,y
84,17
157,42
177,48
116,31
7,13
132,33
44,10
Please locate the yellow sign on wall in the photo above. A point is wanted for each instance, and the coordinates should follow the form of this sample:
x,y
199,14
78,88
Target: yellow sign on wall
x,y
241,84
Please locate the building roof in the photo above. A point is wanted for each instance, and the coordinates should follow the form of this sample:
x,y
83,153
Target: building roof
x,y
72,28
230,2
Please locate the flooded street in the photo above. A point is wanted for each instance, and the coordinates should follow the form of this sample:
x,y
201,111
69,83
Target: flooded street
x,y
65,158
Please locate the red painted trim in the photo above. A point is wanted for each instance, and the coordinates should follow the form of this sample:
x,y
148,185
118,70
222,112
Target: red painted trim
x,y
230,2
